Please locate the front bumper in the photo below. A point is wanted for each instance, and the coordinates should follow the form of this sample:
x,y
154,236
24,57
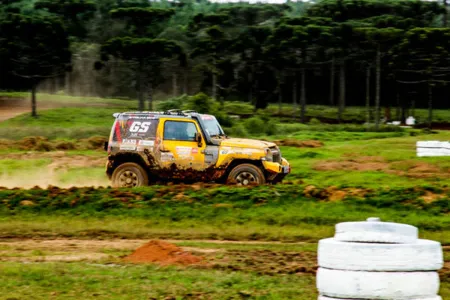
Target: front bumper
x,y
276,171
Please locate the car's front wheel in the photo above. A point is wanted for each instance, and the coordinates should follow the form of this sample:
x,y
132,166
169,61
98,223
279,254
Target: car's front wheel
x,y
129,175
246,174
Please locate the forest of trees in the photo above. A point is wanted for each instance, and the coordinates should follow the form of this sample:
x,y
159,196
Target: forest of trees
x,y
380,53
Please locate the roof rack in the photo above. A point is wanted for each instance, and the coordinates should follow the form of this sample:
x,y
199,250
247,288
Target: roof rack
x,y
178,112
189,111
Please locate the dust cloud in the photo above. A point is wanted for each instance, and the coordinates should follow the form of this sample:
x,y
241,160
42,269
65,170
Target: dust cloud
x,y
46,177
62,170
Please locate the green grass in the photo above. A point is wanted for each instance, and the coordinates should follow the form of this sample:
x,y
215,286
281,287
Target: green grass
x,y
263,213
127,281
86,281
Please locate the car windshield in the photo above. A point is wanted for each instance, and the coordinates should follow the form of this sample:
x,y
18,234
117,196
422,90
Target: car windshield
x,y
212,126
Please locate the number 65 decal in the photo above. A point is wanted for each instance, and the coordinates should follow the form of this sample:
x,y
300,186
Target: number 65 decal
x,y
140,126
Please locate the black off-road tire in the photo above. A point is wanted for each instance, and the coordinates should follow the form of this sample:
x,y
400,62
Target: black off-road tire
x,y
246,174
129,175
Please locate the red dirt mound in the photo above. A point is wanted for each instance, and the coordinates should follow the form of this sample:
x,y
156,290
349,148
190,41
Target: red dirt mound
x,y
163,253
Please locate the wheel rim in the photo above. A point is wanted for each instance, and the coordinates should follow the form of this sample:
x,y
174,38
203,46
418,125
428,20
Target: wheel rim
x,y
128,179
245,178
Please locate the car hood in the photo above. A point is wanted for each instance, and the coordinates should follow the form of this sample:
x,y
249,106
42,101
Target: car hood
x,y
246,143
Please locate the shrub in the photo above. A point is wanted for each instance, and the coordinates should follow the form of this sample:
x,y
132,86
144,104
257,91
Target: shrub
x,y
173,103
255,125
238,108
238,130
202,104
271,128
223,119
314,121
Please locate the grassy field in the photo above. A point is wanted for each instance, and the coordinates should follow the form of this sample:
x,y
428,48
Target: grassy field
x,y
68,242
96,270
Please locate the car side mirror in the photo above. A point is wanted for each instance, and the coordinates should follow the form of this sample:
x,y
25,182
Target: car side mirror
x,y
198,139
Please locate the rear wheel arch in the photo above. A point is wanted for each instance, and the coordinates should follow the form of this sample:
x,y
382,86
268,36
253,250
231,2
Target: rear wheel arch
x,y
127,157
129,174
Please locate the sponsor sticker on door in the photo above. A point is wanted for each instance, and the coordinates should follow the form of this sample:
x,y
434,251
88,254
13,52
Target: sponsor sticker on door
x,y
146,143
183,151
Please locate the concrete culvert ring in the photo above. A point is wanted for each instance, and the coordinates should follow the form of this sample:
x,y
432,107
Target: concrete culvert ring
x,y
129,175
246,174
376,231
329,298
423,255
377,285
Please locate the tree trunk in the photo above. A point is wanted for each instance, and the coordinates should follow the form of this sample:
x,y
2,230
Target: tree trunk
x,y
280,99
33,99
255,99
430,104
280,94
67,84
378,89
150,93
174,85
332,81
342,90
303,97
445,17
250,87
294,94
141,91
368,95
54,82
214,79
214,85
185,83
397,111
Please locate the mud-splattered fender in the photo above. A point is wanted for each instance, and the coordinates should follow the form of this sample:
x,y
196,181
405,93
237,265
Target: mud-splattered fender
x,y
228,154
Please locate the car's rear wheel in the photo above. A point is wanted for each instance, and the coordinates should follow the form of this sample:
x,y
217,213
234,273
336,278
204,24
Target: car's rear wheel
x,y
129,175
246,174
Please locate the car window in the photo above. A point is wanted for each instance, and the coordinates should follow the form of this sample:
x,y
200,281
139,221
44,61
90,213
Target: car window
x,y
179,131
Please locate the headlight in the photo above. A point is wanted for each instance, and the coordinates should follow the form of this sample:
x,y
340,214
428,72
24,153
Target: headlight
x,y
269,155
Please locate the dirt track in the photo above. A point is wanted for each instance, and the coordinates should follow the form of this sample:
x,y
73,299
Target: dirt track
x,y
12,107
115,251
